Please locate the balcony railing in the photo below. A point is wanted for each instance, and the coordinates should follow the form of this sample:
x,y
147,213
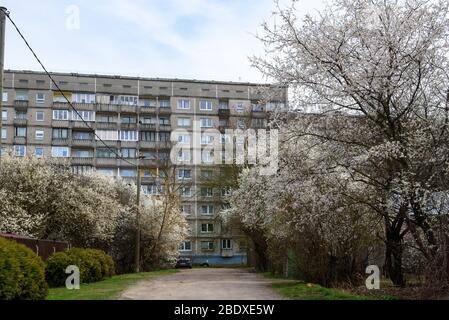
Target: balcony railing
x,y
107,107
224,112
106,161
21,104
81,125
165,127
129,109
128,126
82,142
148,126
20,122
107,125
20,140
165,110
60,142
82,161
144,109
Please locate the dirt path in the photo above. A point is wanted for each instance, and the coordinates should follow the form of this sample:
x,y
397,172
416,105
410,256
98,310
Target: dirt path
x,y
205,284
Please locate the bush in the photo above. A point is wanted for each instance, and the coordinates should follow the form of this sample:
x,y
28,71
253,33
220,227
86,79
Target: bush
x,y
94,265
22,273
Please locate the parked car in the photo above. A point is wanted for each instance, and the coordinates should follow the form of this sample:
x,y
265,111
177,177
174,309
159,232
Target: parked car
x,y
184,263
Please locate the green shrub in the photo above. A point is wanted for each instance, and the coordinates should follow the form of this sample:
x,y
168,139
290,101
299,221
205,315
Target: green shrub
x,y
22,273
94,265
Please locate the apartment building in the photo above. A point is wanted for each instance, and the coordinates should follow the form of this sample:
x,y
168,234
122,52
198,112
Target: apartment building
x,y
137,116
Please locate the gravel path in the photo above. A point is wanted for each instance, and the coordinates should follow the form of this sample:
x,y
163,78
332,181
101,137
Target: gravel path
x,y
205,284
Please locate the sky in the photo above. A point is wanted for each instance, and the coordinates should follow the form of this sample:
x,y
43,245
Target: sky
x,y
188,39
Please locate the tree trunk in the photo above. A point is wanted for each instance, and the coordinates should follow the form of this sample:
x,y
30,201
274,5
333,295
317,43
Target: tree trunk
x,y
393,258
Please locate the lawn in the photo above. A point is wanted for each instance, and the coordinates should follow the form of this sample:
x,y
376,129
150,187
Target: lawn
x,y
109,289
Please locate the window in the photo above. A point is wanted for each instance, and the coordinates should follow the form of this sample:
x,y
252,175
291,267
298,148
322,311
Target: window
x,y
207,245
184,122
4,115
105,118
239,107
82,169
20,151
106,171
207,174
128,119
60,152
186,209
184,174
5,97
129,153
129,136
164,121
223,105
205,105
206,123
62,97
148,103
207,209
207,139
40,97
83,115
40,82
166,103
241,123
21,95
185,246
164,136
60,133
21,132
259,123
148,136
184,104
61,115
148,120
128,173
186,191
39,135
184,156
81,135
207,227
207,192
39,152
82,153
207,156
124,100
21,115
226,244
106,153
4,134
107,135
184,139
40,116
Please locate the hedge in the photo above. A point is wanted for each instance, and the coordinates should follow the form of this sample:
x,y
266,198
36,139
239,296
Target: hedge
x,y
22,273
94,265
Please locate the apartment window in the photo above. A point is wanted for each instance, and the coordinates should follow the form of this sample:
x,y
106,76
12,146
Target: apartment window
x,y
207,227
207,123
207,209
150,155
20,151
83,98
81,135
223,105
39,135
128,119
82,153
185,246
207,174
207,156
4,115
166,103
129,153
5,97
205,105
128,173
186,209
184,104
62,97
107,135
226,244
186,191
241,123
40,116
148,120
40,97
239,107
60,133
184,122
207,245
60,152
39,152
184,156
207,139
83,115
4,134
61,115
82,169
40,82
129,136
164,136
164,121
148,136
258,123
149,103
206,192
20,115
184,174
184,139
21,95
105,118
107,171
124,100
106,153
21,132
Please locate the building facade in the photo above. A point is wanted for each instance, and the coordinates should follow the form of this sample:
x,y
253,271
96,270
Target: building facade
x,y
138,116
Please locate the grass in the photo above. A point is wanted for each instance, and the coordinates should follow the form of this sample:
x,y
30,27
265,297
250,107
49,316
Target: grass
x,y
109,289
299,290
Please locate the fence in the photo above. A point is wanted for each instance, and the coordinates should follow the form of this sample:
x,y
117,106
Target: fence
x,y
43,248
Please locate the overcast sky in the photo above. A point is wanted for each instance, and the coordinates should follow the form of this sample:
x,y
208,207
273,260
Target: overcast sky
x,y
194,39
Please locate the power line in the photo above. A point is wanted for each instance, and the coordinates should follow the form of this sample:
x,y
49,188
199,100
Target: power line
x,y
62,92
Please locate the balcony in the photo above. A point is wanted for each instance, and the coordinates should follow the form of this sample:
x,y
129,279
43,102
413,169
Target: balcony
x,y
164,144
128,144
60,105
107,108
106,162
20,140
20,122
147,144
60,142
148,126
60,124
128,126
165,127
83,161
164,110
80,125
84,106
128,109
224,113
82,142
21,104
151,110
110,144
107,125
